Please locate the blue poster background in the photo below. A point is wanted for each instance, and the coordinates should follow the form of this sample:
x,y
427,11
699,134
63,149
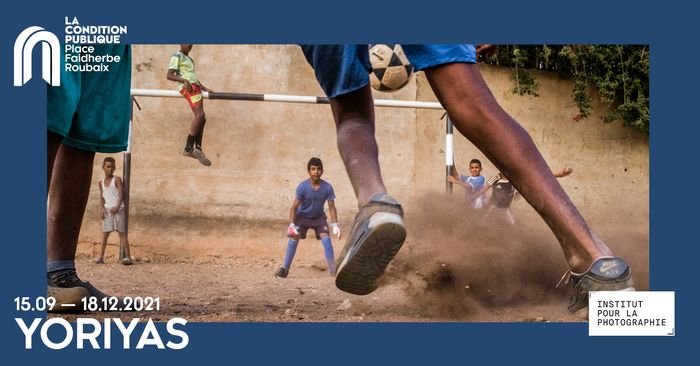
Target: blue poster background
x,y
665,26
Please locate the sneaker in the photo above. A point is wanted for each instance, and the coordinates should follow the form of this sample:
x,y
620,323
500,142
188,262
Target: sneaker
x,y
282,273
68,300
605,274
188,153
126,261
198,154
68,279
377,235
99,261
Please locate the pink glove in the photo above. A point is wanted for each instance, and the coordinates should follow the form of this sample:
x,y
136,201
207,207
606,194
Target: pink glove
x,y
292,230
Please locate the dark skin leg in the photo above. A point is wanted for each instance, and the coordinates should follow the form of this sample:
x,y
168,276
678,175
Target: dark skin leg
x,y
199,120
354,120
103,247
69,176
53,142
478,116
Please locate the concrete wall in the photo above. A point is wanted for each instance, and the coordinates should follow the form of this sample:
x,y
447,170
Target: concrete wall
x,y
259,150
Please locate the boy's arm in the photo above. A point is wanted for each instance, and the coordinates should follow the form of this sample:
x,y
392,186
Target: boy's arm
x,y
334,218
458,182
487,186
332,211
292,229
293,210
102,202
454,173
483,190
120,195
204,88
172,76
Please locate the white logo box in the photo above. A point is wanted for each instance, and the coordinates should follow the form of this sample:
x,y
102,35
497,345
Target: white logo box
x,y
631,313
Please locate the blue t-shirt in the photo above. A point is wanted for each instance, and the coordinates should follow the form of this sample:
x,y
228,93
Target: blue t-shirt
x,y
312,201
476,183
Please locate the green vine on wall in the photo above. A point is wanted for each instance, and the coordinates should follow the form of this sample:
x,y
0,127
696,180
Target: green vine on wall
x,y
619,73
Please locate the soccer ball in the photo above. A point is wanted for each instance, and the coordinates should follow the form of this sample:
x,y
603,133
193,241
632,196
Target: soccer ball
x,y
391,69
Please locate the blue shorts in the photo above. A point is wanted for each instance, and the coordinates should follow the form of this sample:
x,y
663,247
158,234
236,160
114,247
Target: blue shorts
x,y
341,69
91,110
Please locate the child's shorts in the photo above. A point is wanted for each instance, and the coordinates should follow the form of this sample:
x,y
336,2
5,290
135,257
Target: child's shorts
x,y
114,221
92,109
341,69
194,98
320,226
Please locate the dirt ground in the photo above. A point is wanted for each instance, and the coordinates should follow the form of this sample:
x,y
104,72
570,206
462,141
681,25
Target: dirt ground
x,y
452,268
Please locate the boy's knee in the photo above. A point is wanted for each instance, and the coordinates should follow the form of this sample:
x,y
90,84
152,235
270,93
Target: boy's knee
x,y
352,128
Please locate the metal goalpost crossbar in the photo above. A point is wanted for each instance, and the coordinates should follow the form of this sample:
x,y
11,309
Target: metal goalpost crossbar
x,y
304,99
282,98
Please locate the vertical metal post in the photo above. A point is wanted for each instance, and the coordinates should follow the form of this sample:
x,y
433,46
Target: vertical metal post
x,y
127,182
449,153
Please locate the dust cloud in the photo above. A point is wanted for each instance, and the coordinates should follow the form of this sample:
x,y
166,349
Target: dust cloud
x,y
455,261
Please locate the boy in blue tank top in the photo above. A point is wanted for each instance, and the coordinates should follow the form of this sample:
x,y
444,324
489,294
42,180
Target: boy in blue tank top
x,y
307,213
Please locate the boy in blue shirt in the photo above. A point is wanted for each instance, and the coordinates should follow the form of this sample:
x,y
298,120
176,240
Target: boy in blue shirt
x,y
307,213
474,183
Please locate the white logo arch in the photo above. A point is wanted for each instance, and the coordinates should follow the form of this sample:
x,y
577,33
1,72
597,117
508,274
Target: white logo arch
x,y
50,56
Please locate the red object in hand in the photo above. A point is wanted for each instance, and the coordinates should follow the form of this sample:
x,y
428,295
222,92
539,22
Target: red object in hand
x,y
292,230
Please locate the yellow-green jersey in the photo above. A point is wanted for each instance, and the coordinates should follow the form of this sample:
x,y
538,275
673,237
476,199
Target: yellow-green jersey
x,y
184,67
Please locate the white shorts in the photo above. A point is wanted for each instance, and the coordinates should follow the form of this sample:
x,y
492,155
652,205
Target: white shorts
x,y
114,221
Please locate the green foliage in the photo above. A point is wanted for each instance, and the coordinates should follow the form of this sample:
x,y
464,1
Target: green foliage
x,y
524,82
619,73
